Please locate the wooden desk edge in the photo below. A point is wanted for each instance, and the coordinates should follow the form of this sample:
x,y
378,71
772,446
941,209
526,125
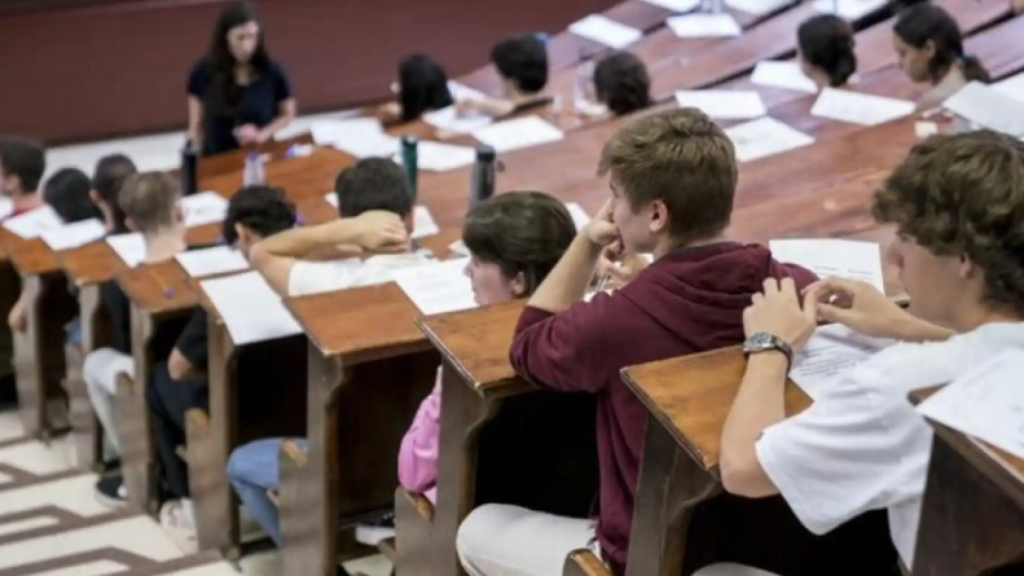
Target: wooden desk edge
x,y
501,387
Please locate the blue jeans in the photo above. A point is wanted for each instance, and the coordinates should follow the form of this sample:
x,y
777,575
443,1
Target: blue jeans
x,y
253,469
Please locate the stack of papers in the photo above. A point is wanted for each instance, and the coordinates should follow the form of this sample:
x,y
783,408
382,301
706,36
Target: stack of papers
x,y
358,137
325,132
831,257
236,297
765,137
605,31
212,261
724,104
1012,87
34,223
988,108
440,157
437,288
74,235
786,75
579,216
204,208
831,352
849,9
758,7
679,6
131,248
859,108
449,120
518,133
423,223
987,403
704,26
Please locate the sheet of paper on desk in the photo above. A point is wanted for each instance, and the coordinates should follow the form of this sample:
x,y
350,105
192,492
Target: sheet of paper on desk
x,y
74,235
988,108
724,104
6,207
765,137
831,352
758,7
787,75
704,26
987,403
459,249
849,9
859,108
131,248
367,144
441,157
251,310
832,257
678,6
212,261
326,132
34,223
518,133
204,208
449,120
423,223
1012,87
438,287
579,216
605,31
460,91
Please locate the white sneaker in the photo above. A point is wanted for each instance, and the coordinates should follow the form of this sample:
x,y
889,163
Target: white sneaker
x,y
178,522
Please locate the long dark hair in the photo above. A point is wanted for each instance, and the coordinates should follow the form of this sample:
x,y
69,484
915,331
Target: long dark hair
x,y
424,86
927,22
222,61
826,42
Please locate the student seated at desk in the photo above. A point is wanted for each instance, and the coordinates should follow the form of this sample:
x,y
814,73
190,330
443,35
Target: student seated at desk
x,y
861,446
826,47
522,63
22,164
422,86
514,240
672,178
110,175
930,48
621,83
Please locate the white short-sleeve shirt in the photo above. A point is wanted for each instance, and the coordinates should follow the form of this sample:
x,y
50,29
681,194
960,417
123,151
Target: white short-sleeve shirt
x,y
861,446
315,277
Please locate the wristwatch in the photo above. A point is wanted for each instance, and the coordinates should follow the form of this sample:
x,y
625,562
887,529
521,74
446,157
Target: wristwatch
x,y
763,342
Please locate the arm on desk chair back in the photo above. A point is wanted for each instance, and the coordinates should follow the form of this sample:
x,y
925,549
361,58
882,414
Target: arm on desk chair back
x,y
584,563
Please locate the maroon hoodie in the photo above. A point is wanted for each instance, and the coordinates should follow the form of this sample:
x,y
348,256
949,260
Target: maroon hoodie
x,y
690,300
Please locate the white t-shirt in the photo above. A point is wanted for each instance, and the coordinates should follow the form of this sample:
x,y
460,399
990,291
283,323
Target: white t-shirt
x,y
861,446
316,277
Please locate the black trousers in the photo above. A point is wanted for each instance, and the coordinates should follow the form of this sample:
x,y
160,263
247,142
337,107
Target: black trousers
x,y
169,401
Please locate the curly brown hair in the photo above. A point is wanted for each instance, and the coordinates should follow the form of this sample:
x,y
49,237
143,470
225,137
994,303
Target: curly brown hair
x,y
963,195
621,83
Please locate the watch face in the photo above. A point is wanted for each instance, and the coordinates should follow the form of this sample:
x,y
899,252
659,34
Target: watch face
x,y
758,341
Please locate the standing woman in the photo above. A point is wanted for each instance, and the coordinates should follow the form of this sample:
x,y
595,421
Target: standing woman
x,y
237,95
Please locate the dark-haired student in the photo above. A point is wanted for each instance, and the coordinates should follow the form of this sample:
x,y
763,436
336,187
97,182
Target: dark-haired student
x,y
621,83
522,63
826,47
673,180
67,192
861,446
931,50
237,95
107,180
422,87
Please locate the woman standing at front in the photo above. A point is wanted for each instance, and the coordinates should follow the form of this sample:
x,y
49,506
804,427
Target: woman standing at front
x,y
237,95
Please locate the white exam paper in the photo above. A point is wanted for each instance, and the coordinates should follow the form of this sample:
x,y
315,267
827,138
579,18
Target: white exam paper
x,y
579,216
204,208
757,7
604,30
326,132
1012,87
251,310
724,104
987,403
459,249
765,137
988,108
438,287
518,133
460,91
704,26
131,248
211,261
449,120
849,9
831,351
826,257
441,157
859,108
423,223
678,6
74,235
34,223
787,75
6,207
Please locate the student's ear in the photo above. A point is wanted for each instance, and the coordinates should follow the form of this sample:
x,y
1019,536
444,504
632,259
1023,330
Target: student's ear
x,y
929,49
179,213
409,221
242,233
130,224
967,268
519,285
94,196
659,217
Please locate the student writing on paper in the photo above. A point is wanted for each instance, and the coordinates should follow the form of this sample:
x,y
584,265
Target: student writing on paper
x,y
376,206
861,446
237,95
673,180
930,48
522,63
621,83
110,175
826,48
513,240
422,86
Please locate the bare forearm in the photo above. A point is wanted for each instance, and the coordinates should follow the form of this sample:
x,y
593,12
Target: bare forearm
x,y
568,281
759,404
913,329
276,126
301,242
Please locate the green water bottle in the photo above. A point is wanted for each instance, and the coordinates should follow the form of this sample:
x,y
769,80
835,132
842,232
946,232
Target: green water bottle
x,y
410,162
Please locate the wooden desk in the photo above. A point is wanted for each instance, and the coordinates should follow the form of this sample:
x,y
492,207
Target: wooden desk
x,y
231,162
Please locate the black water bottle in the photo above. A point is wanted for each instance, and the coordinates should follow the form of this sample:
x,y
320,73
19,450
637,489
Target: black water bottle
x,y
481,185
410,161
189,169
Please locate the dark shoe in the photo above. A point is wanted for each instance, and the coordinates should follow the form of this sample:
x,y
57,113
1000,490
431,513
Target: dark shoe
x,y
8,392
111,492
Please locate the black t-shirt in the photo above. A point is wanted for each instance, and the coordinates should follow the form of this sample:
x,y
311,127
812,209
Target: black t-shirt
x,y
164,336
193,343
258,104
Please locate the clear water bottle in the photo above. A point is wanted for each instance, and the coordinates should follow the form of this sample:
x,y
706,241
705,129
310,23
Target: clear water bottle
x,y
584,80
481,185
410,162
253,174
189,169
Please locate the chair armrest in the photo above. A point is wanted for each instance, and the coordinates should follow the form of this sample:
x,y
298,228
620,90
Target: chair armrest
x,y
584,563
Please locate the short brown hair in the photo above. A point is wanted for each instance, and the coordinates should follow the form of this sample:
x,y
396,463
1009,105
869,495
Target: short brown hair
x,y
681,158
963,195
621,83
148,199
523,232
